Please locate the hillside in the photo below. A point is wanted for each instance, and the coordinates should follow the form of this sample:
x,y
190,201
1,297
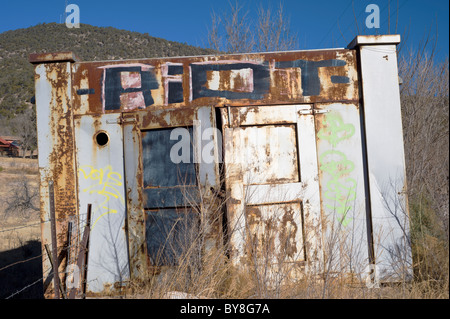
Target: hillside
x,y
90,43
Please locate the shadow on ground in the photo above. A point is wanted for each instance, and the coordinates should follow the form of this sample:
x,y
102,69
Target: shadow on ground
x,y
21,275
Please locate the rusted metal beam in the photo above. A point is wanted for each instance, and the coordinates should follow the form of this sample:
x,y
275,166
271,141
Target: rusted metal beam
x,y
36,58
55,260
56,151
49,255
82,259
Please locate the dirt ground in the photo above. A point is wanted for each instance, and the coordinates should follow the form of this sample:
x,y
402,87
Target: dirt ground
x,y
20,233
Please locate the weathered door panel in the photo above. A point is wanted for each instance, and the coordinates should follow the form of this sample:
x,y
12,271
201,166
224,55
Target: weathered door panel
x,y
101,183
271,179
168,183
170,190
171,234
175,176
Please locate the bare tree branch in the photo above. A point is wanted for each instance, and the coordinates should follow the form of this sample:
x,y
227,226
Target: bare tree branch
x,y
235,32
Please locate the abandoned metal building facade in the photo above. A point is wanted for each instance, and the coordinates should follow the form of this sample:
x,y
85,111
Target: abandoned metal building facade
x,y
299,151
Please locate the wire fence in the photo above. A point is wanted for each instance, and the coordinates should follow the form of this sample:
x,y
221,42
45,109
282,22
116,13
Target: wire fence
x,y
22,273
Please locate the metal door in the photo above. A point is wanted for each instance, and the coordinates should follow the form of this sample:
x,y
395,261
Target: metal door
x,y
170,188
167,179
272,180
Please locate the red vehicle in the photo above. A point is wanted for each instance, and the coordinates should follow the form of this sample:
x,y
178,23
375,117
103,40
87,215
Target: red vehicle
x,y
8,148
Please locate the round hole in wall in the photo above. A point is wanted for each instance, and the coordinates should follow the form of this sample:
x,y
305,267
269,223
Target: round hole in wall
x,y
102,138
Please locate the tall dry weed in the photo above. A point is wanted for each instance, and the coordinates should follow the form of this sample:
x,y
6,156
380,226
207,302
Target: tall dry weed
x,y
425,111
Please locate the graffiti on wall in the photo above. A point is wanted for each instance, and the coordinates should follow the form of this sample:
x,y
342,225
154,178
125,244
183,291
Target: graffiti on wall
x,y
104,182
340,190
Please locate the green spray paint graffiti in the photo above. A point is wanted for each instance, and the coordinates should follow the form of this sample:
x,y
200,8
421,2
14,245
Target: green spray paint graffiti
x,y
341,190
335,130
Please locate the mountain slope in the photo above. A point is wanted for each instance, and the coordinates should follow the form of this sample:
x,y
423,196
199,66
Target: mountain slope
x,y
88,42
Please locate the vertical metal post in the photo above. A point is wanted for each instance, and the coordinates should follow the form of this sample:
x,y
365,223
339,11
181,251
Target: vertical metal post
x,y
55,260
82,258
69,243
49,254
85,246
54,120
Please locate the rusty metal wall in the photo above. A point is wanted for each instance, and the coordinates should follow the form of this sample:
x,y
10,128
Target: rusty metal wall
x,y
57,167
282,138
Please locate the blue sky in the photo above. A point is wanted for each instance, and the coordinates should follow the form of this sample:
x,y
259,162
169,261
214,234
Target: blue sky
x,y
318,23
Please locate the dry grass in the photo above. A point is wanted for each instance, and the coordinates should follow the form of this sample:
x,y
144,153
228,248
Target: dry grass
x,y
425,111
17,229
20,232
225,282
214,277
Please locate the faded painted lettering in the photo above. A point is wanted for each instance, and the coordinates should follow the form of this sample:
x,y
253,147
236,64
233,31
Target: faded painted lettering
x,y
310,73
258,79
129,86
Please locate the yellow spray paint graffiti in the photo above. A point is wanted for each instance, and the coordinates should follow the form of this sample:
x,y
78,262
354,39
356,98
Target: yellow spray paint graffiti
x,y
107,183
340,189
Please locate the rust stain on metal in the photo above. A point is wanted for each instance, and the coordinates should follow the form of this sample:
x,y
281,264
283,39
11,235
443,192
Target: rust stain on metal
x,y
165,118
236,80
53,57
274,235
61,170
